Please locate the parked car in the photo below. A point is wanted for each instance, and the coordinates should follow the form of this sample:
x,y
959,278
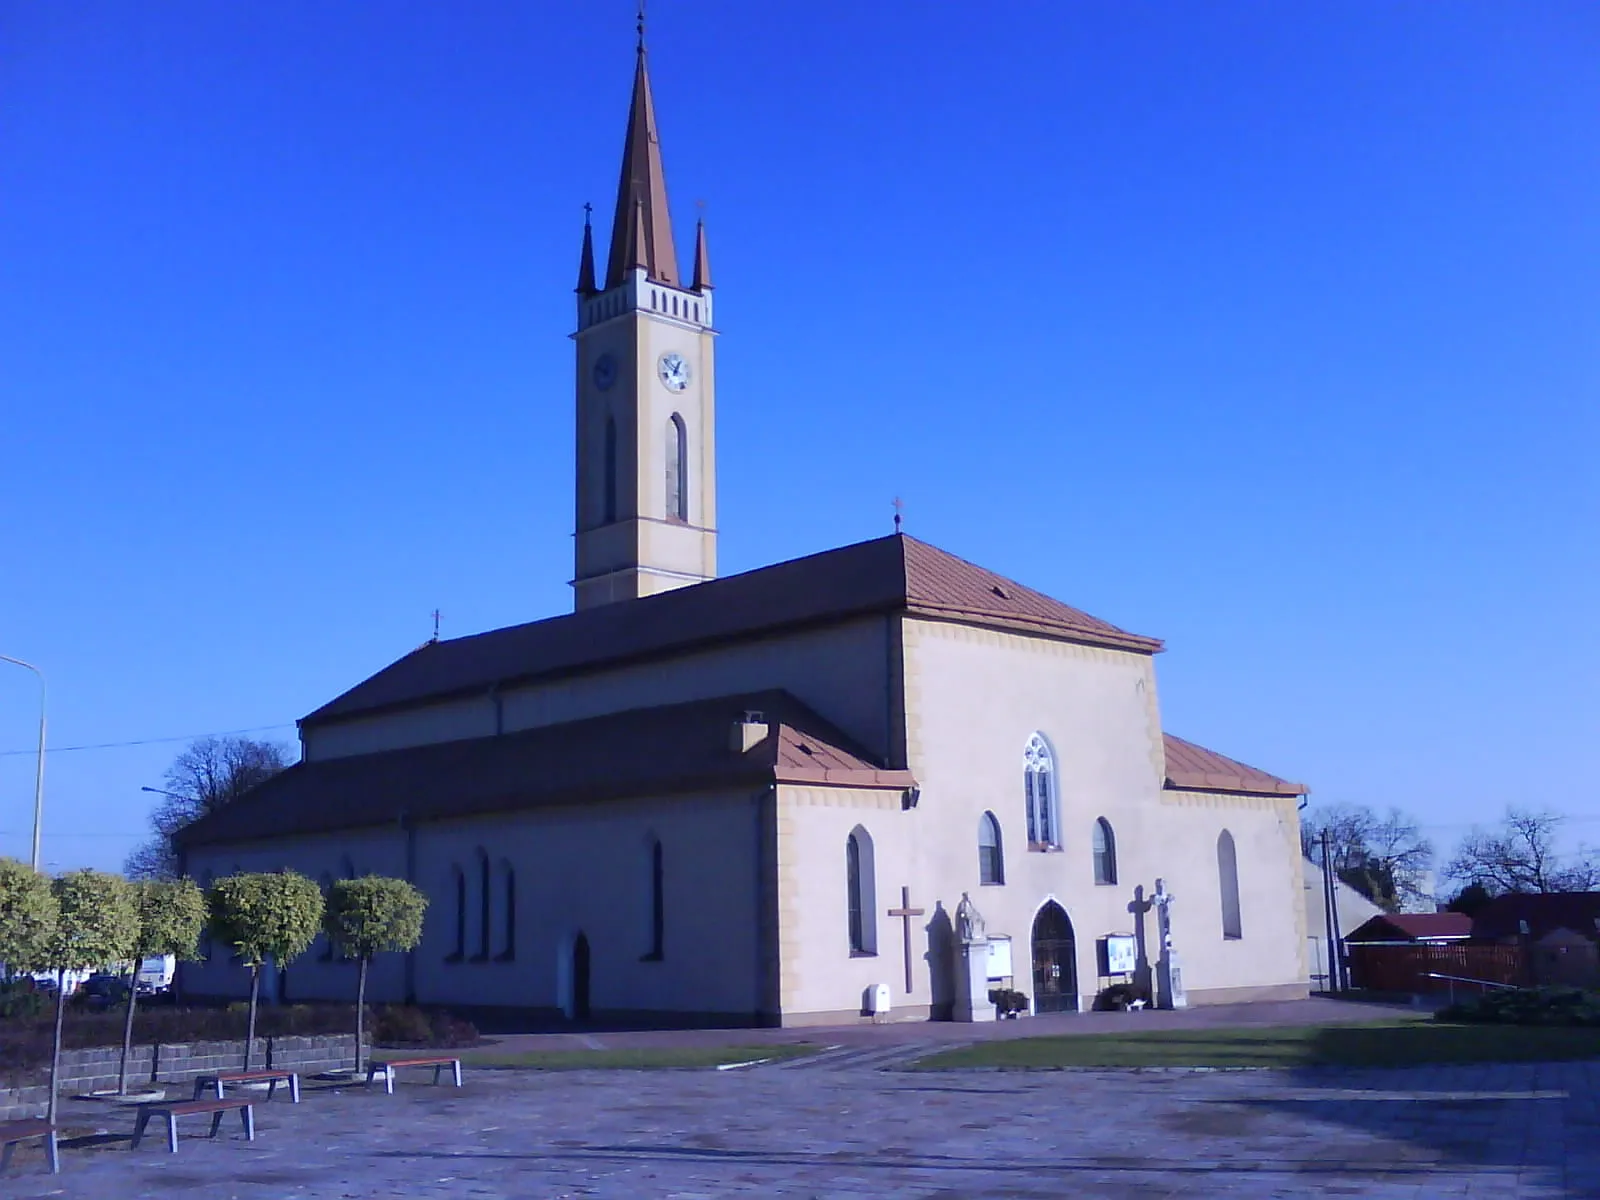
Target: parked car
x,y
103,990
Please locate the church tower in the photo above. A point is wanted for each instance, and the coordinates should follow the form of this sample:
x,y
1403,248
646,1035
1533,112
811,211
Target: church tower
x,y
647,482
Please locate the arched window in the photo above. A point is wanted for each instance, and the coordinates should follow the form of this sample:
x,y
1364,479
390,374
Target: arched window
x,y
508,896
1228,880
1105,852
1039,778
658,903
991,860
862,897
484,910
458,885
677,469
207,947
326,953
611,471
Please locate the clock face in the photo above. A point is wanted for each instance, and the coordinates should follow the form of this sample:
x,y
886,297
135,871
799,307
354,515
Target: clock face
x,y
605,372
674,371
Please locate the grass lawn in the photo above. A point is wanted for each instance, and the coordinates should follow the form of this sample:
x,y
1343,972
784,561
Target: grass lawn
x,y
1389,1044
651,1059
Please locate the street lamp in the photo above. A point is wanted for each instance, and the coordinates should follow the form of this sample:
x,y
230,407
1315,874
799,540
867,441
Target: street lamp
x,y
38,778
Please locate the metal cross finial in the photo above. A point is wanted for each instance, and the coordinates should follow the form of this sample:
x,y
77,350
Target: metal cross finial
x,y
899,505
588,211
640,26
436,615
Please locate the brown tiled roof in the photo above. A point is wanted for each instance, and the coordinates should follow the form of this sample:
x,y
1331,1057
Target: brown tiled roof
x,y
1194,768
1412,927
1544,912
644,752
890,574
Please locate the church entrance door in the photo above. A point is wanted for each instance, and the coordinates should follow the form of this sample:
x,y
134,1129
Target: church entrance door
x,y
1055,971
580,979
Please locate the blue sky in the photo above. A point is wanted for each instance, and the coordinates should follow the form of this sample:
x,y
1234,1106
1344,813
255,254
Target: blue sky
x,y
1269,329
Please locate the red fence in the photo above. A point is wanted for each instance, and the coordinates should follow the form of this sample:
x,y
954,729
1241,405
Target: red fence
x,y
1405,966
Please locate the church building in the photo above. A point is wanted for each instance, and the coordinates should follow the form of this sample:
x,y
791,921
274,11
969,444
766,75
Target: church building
x,y
763,798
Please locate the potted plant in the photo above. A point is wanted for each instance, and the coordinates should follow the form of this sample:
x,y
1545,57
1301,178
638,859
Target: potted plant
x,y
1008,1002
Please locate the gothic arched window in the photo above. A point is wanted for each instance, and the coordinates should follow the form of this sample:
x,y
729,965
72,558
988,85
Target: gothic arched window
x,y
1039,780
1228,880
610,500
677,469
484,909
458,885
326,953
861,892
658,902
1105,852
508,897
991,859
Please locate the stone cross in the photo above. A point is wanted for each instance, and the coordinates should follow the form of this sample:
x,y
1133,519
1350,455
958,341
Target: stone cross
x,y
905,912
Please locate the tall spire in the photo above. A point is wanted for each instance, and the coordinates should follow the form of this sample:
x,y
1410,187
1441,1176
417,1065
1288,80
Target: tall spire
x,y
586,259
702,258
643,185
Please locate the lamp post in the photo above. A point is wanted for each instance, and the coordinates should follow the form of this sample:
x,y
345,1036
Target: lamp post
x,y
38,778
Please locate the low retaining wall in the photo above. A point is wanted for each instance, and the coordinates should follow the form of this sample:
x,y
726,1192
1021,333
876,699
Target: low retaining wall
x,y
96,1069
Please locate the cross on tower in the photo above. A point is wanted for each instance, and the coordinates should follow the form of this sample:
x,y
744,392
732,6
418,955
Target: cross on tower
x,y
899,506
905,912
436,615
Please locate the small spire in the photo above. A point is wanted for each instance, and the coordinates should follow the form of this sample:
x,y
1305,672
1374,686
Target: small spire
x,y
586,260
702,258
638,249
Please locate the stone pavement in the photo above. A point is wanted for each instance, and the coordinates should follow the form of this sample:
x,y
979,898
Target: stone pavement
x,y
1522,1131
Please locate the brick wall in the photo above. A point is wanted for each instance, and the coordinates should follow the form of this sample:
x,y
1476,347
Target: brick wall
x,y
177,1063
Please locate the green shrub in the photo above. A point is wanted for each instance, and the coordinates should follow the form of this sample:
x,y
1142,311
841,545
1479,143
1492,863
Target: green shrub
x,y
403,1025
20,1000
1527,1006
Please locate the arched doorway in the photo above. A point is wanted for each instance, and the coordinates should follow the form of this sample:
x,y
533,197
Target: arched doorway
x,y
580,979
1055,973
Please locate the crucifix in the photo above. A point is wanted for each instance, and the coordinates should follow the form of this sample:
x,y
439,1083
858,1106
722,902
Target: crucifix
x,y
899,506
905,912
436,615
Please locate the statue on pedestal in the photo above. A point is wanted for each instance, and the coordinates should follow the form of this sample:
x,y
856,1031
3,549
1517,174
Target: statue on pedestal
x,y
969,922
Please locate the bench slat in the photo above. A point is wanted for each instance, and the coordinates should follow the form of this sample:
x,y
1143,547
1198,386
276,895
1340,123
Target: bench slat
x,y
445,1060
21,1131
182,1108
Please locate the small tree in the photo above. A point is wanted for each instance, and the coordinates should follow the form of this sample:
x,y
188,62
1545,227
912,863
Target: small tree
x,y
28,917
369,916
272,915
98,925
172,912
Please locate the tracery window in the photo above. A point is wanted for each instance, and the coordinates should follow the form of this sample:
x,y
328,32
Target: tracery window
x,y
1039,780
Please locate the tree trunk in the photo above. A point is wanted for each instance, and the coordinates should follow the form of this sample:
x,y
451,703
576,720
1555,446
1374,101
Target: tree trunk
x,y
55,1046
127,1029
250,1028
361,1007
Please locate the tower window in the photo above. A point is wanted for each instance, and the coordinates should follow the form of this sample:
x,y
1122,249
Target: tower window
x,y
611,471
674,306
697,311
677,469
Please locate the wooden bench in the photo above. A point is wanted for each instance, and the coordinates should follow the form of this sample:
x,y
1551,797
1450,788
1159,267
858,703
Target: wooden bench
x,y
187,1108
214,1082
388,1068
12,1132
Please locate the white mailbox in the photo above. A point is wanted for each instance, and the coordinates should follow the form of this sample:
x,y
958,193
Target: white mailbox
x,y
875,1002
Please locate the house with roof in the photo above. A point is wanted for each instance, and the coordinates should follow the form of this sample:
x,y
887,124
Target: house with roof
x,y
762,798
1435,927
1560,932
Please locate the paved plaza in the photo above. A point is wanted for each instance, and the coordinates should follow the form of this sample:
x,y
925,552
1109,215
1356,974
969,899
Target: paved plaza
x,y
849,1124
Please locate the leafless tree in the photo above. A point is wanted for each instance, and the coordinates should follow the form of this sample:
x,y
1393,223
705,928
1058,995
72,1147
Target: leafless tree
x,y
1384,857
211,774
1521,856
